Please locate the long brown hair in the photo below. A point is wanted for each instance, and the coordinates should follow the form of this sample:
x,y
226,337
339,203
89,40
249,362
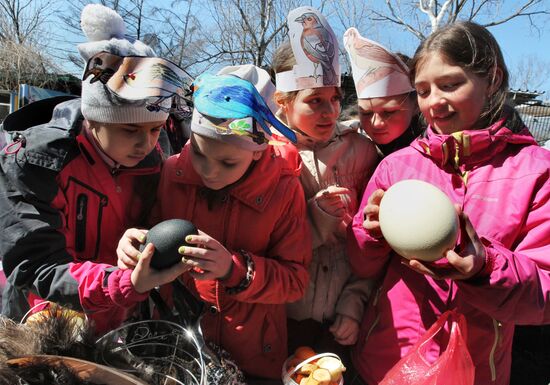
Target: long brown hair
x,y
473,48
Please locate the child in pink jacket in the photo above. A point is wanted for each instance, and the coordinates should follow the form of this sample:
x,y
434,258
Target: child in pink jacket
x,y
481,155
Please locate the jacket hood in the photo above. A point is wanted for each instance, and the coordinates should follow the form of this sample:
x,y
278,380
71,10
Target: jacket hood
x,y
256,189
40,112
465,149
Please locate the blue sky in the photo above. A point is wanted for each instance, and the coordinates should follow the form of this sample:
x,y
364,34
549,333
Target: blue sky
x,y
517,40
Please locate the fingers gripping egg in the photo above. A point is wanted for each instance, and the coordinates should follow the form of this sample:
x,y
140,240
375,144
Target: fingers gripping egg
x,y
418,220
167,237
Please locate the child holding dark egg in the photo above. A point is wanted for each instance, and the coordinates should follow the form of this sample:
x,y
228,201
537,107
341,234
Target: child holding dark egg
x,y
253,245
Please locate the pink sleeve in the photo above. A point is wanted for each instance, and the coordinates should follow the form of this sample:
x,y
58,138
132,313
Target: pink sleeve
x,y
516,286
368,255
102,286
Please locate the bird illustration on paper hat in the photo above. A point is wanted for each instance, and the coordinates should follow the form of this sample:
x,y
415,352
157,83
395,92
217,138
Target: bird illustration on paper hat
x,y
137,77
230,97
317,44
372,58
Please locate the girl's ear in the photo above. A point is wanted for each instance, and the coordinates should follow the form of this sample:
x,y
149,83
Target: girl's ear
x,y
257,155
279,99
496,81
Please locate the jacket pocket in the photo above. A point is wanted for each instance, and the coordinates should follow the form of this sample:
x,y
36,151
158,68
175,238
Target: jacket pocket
x,y
85,213
80,225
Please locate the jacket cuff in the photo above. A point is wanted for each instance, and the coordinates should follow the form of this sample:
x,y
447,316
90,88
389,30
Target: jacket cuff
x,y
326,227
490,258
237,272
121,289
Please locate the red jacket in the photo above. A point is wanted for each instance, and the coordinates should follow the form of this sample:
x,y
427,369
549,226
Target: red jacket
x,y
63,212
265,215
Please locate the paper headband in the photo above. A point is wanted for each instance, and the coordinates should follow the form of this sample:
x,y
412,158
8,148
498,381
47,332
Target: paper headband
x,y
229,97
138,77
315,48
377,72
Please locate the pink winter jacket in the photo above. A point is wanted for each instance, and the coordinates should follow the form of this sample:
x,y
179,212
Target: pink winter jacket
x,y
499,176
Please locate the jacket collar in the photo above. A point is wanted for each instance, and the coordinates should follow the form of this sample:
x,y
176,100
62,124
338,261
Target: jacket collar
x,y
94,155
255,191
465,149
88,145
306,141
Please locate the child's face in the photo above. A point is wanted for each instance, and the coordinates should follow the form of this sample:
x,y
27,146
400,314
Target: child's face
x,y
385,119
450,97
314,111
125,143
219,164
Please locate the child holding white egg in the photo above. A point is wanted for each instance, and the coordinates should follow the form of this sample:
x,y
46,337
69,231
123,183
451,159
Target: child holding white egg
x,y
479,153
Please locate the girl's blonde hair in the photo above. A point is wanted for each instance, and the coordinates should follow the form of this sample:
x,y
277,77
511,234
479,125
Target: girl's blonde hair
x,y
474,48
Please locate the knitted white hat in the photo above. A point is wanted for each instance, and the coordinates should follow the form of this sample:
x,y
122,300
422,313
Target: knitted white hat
x,y
105,31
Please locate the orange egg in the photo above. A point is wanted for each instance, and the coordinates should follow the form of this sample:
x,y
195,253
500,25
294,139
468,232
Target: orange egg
x,y
304,352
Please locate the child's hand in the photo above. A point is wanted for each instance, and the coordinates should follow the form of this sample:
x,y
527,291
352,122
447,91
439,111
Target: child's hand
x,y
460,266
345,330
128,248
334,200
144,278
370,214
210,259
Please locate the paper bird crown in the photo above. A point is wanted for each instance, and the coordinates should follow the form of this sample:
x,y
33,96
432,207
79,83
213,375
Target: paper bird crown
x,y
377,72
315,49
240,132
133,79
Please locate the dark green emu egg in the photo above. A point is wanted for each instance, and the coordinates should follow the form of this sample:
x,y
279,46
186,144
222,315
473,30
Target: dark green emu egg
x,y
167,237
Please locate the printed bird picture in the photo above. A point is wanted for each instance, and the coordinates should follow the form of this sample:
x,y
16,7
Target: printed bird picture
x,y
230,97
316,41
373,58
137,78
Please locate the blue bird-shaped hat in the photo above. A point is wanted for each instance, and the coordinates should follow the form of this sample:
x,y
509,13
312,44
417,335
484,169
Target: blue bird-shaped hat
x,y
233,106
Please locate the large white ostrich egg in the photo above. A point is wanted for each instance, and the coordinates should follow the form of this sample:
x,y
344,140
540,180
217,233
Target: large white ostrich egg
x,y
418,220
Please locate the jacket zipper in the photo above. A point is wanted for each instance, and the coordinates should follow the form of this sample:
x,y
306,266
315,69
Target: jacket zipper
x,y
496,326
80,231
377,318
336,176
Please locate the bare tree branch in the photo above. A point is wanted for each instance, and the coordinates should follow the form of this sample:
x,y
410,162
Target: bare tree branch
x,y
441,12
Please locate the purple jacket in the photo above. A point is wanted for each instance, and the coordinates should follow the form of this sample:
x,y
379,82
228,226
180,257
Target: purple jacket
x,y
500,178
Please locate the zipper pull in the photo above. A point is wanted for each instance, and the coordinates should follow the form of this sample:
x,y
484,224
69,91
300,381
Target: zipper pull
x,y
80,214
336,176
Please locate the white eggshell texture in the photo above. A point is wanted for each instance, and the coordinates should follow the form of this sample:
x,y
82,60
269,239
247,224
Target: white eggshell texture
x,y
418,220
